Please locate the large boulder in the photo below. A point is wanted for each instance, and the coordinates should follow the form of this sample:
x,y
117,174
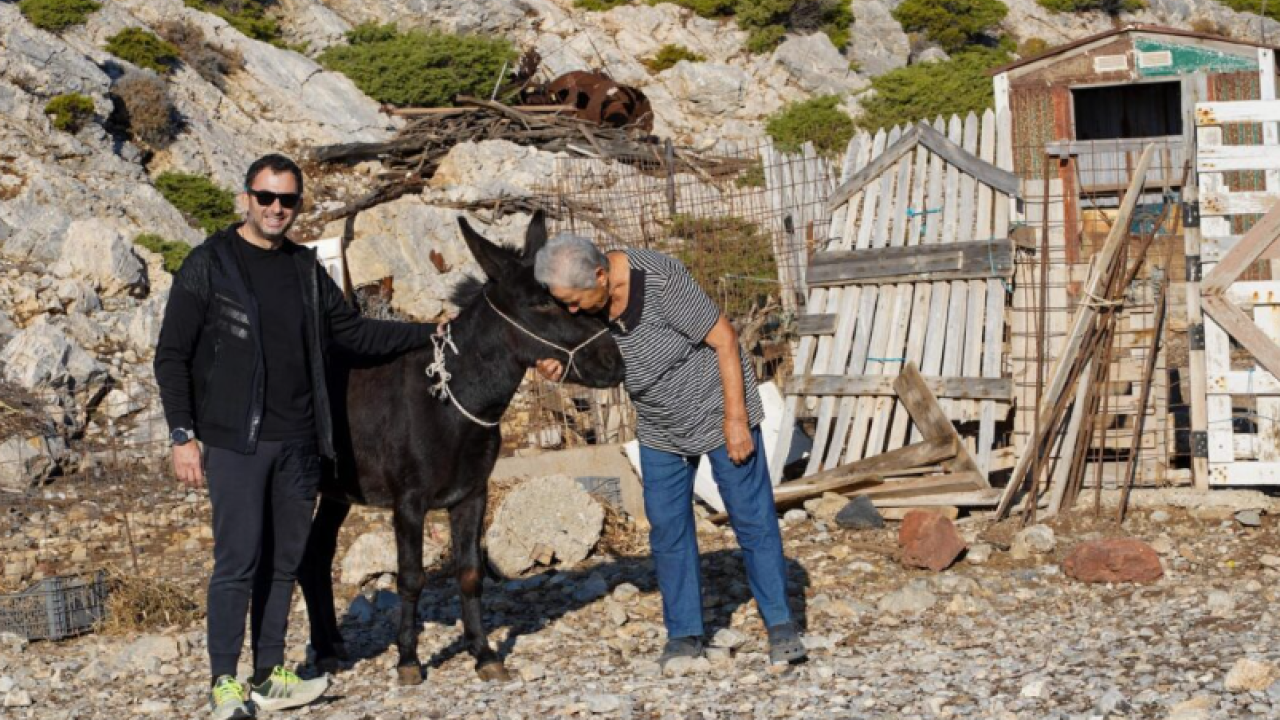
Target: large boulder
x,y
493,169
548,518
100,254
27,461
711,89
881,44
1113,560
817,66
374,553
42,358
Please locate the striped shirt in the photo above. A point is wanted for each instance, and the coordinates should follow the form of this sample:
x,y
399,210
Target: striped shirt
x,y
672,376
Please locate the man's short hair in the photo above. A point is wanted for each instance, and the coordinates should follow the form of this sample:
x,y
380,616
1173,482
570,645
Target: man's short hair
x,y
277,164
569,260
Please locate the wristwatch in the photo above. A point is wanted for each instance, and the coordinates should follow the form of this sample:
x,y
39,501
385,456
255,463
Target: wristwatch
x,y
181,436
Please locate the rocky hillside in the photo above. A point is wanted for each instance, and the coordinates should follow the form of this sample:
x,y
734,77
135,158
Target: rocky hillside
x,y
80,299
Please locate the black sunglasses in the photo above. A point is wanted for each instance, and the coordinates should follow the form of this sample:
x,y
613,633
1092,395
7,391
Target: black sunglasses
x,y
266,198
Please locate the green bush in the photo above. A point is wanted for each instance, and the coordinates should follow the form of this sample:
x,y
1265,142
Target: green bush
x,y
143,49
599,5
953,24
927,90
1115,7
722,253
172,252
417,68
1032,47
763,39
55,15
205,205
768,21
817,120
704,8
248,16
70,112
668,55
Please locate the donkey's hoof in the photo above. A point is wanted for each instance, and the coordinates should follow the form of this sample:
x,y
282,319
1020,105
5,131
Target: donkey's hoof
x,y
410,674
330,665
494,672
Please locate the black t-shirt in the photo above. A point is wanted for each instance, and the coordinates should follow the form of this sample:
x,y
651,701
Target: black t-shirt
x,y
273,278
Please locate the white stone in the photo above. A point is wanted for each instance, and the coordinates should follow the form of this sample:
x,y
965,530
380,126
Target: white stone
x,y
1248,675
100,254
374,553
554,512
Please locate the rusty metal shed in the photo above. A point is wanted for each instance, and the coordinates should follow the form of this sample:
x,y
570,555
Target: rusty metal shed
x,y
1082,112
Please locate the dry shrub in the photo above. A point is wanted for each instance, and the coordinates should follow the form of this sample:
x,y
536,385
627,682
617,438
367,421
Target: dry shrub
x,y
212,63
139,604
145,108
622,535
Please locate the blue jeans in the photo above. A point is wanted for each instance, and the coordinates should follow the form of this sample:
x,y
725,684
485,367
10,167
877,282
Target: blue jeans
x,y
748,498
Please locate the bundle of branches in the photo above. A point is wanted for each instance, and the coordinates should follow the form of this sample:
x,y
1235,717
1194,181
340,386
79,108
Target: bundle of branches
x,y
412,157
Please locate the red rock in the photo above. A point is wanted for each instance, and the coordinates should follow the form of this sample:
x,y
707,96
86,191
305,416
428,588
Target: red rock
x,y
1113,560
929,540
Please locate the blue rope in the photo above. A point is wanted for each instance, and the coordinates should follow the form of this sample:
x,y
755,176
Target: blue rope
x,y
912,212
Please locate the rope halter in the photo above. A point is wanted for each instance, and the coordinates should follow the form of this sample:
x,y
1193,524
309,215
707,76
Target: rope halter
x,y
443,338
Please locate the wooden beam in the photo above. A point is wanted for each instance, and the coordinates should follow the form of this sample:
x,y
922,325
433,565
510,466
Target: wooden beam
x,y
1244,330
927,414
820,324
929,452
917,263
971,498
888,159
1082,324
1251,247
965,388
983,171
965,481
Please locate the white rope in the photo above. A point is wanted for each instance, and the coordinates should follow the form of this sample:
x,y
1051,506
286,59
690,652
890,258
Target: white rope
x,y
1094,301
443,338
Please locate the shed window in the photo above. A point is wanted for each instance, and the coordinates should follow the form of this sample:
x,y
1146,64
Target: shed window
x,y
1128,111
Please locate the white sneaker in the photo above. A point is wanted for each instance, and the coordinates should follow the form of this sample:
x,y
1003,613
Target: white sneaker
x,y
226,700
284,690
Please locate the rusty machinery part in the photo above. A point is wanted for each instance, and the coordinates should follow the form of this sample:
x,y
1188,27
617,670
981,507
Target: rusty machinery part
x,y
596,98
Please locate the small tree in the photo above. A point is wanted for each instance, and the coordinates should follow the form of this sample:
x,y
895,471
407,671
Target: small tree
x,y
927,90
817,120
418,68
143,49
248,16
212,63
205,205
599,5
1115,7
57,15
145,108
953,24
70,112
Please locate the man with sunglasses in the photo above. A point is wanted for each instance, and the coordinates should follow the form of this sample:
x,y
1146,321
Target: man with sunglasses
x,y
241,365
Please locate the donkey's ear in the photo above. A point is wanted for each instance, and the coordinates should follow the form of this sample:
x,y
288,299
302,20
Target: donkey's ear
x,y
496,262
535,236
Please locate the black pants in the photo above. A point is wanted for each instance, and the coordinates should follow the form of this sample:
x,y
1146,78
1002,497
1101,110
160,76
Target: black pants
x,y
262,508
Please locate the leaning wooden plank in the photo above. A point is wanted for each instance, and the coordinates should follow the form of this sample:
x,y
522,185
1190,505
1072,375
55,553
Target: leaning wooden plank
x,y
965,388
993,258
965,481
1082,323
972,498
1244,330
986,173
929,452
1261,236
816,324
914,393
1066,452
872,171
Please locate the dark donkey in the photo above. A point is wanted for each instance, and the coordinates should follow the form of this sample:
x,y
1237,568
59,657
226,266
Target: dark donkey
x,y
413,443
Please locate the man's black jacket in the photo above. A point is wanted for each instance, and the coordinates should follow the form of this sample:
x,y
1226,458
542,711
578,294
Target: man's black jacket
x,y
209,363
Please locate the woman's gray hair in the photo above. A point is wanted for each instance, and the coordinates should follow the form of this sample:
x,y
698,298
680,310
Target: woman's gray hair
x,y
570,261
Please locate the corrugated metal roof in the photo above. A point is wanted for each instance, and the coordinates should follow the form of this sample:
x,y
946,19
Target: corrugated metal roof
x,y
1132,27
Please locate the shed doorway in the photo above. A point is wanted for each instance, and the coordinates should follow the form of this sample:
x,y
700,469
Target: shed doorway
x,y
1137,110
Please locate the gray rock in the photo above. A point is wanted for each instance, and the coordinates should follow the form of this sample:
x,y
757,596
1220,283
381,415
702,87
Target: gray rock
x,y
881,44
532,672
28,461
148,651
100,254
360,610
978,554
625,592
1035,540
17,698
912,599
710,89
374,553
1112,701
41,357
605,703
593,588
1220,603
1249,518
728,638
794,515
817,66
861,514
552,512
1160,516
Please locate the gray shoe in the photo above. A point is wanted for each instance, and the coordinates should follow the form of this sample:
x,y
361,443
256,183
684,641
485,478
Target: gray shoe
x,y
681,647
786,645
284,690
227,700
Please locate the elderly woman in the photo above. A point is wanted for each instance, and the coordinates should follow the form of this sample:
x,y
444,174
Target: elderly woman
x,y
694,394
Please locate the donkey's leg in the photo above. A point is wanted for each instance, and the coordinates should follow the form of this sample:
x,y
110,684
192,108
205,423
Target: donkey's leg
x,y
409,519
466,520
316,578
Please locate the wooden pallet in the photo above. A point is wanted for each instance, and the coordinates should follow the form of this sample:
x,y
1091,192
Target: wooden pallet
x,y
903,189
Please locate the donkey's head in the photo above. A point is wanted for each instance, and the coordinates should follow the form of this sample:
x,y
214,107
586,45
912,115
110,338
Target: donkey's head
x,y
548,328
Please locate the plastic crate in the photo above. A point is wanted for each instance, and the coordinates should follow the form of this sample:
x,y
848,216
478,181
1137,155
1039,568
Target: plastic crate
x,y
56,607
606,488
